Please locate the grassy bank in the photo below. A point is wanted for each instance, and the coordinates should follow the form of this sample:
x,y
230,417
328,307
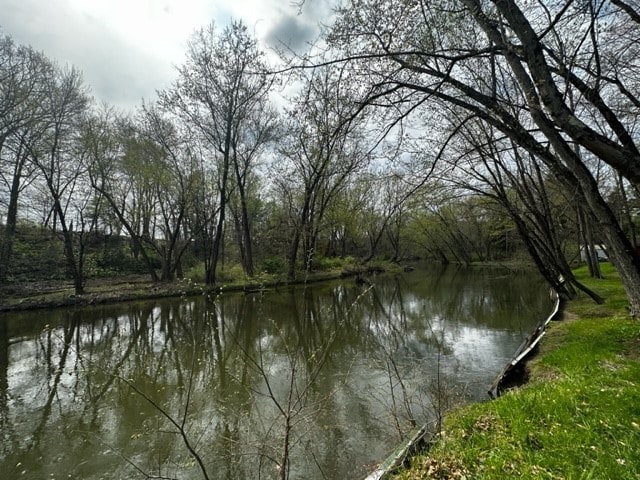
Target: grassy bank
x,y
577,418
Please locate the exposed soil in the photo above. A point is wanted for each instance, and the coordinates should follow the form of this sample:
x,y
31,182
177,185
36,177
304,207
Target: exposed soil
x,y
58,293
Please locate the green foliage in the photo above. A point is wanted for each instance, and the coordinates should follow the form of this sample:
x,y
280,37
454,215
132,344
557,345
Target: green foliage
x,y
326,264
196,273
578,418
117,260
273,265
231,273
37,254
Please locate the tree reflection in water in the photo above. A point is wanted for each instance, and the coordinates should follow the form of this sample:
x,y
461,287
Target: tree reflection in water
x,y
309,382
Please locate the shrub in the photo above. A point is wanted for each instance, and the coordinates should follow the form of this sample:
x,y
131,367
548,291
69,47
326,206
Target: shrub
x,y
115,260
324,264
196,273
273,265
230,273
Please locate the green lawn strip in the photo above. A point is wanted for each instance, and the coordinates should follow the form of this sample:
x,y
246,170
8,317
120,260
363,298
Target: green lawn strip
x,y
578,418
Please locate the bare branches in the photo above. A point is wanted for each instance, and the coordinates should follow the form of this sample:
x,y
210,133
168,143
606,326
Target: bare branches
x,y
629,9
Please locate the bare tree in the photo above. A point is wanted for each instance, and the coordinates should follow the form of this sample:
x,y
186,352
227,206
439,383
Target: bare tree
x,y
54,155
22,72
221,92
119,168
322,151
177,172
147,173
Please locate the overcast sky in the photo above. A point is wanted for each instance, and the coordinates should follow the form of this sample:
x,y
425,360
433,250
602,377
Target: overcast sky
x,y
127,49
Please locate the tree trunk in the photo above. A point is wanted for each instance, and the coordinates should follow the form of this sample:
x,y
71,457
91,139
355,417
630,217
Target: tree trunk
x,y
73,264
167,267
626,211
243,225
217,242
293,255
588,244
219,231
10,226
246,233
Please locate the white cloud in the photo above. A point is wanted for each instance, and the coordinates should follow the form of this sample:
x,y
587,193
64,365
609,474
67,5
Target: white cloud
x,y
128,48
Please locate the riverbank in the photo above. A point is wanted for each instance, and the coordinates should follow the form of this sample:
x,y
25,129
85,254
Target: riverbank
x,y
577,417
56,293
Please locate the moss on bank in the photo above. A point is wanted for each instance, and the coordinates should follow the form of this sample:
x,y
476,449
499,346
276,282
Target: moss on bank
x,y
577,418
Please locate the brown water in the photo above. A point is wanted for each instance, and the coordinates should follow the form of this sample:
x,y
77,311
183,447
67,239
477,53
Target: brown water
x,y
332,374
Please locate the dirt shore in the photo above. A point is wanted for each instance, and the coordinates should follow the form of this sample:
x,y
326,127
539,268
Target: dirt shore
x,y
60,293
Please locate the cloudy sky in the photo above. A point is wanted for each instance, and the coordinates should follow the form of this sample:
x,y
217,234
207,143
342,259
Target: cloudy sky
x,y
127,49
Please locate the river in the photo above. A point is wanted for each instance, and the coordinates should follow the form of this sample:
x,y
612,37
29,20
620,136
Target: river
x,y
323,380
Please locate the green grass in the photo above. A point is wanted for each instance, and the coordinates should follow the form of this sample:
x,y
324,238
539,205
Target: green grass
x,y
578,418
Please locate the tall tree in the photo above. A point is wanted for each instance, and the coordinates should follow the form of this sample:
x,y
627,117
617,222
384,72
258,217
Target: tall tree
x,y
119,168
176,177
55,155
258,132
322,150
22,75
221,92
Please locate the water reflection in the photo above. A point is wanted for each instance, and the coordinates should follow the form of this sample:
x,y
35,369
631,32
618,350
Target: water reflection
x,y
316,382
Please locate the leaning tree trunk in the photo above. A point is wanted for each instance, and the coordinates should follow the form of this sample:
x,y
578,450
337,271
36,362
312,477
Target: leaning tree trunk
x,y
626,211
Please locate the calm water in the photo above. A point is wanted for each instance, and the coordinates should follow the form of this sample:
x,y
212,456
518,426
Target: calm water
x,y
329,376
